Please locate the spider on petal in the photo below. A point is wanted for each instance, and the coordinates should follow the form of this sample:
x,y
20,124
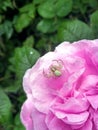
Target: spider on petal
x,y
55,69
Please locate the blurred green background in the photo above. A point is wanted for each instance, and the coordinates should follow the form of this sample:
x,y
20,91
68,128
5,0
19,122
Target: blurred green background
x,y
29,29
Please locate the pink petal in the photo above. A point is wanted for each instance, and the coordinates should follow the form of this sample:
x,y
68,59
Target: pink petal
x,y
85,44
53,123
67,49
31,118
38,119
95,119
72,105
26,83
74,64
93,100
26,112
76,119
88,126
72,119
89,83
69,88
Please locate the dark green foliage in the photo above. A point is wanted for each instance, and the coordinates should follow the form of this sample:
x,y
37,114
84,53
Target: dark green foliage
x,y
94,22
52,8
74,30
29,29
5,110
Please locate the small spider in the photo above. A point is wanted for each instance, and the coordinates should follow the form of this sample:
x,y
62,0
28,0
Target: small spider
x,y
55,69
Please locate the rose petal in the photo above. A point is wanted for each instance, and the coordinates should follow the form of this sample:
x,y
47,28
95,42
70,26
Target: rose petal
x,y
67,49
72,105
38,119
85,44
88,126
69,87
26,83
72,119
89,83
53,123
26,112
74,64
95,119
31,118
93,100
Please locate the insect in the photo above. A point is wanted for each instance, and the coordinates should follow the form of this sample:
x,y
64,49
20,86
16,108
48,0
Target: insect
x,y
55,70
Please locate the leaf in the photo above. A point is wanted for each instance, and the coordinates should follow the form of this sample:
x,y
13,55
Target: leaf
x,y
7,29
94,22
1,29
5,109
63,7
13,87
38,1
27,14
18,124
48,25
29,41
29,8
46,9
22,21
80,6
41,45
52,8
73,30
93,3
24,58
5,4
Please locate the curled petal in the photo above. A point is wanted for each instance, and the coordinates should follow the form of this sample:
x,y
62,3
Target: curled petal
x,y
26,112
93,100
72,119
72,105
88,125
53,123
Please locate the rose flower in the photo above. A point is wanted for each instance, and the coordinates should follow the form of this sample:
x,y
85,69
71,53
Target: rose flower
x,y
62,89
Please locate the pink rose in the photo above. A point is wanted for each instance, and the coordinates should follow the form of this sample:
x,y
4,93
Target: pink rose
x,y
62,89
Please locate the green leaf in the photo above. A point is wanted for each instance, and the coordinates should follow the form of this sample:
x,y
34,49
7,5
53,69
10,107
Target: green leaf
x,y
42,45
13,87
80,6
1,29
63,7
7,29
94,22
27,14
22,21
52,8
24,58
48,25
73,30
38,1
18,124
4,4
93,3
5,109
46,9
29,8
29,41
54,40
